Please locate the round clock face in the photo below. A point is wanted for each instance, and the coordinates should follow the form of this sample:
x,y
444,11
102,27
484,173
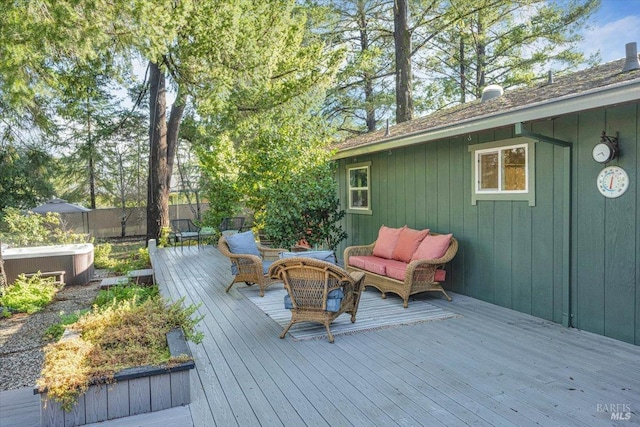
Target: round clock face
x,y
602,153
612,181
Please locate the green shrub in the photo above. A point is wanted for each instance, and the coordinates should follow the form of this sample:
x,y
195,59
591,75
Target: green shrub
x,y
33,229
102,256
125,292
305,206
29,294
55,331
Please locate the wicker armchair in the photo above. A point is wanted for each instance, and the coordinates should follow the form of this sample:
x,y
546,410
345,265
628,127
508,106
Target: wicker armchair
x,y
319,291
250,268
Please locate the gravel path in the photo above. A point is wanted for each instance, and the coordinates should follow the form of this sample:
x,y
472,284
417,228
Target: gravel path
x,y
21,340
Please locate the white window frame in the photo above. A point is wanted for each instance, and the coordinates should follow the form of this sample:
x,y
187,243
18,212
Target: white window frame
x,y
528,194
359,209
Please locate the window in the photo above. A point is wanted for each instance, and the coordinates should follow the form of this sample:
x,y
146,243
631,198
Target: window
x,y
503,170
359,188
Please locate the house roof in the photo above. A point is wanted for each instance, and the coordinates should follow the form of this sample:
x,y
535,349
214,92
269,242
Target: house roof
x,y
595,87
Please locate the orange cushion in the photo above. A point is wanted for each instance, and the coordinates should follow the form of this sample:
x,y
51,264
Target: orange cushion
x,y
408,242
432,247
357,261
387,241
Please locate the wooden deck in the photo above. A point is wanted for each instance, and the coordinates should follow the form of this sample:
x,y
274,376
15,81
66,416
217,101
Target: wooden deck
x,y
489,366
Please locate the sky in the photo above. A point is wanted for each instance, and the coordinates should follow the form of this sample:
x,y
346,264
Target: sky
x,y
614,25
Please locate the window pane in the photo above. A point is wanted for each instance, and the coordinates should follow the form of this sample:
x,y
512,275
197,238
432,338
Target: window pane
x,y
359,199
514,163
489,171
358,177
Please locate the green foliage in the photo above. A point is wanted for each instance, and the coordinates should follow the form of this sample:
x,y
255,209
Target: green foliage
x,y
119,293
305,206
24,176
55,331
32,229
29,294
102,256
163,241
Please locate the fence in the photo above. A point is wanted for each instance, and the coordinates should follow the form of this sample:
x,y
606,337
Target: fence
x,y
104,223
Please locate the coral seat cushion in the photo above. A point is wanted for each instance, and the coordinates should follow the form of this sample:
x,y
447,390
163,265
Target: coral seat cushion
x,y
433,247
397,270
357,261
408,242
376,265
387,241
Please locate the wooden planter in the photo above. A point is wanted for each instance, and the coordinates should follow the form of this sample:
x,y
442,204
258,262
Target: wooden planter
x,y
135,391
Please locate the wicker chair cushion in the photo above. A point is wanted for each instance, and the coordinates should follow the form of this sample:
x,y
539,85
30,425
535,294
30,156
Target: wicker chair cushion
x,y
433,247
334,300
408,242
243,243
328,256
387,241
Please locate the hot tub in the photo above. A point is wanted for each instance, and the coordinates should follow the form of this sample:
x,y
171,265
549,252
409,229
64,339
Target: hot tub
x,y
75,260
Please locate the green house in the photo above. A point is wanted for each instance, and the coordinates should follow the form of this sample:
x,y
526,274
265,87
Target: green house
x,y
539,185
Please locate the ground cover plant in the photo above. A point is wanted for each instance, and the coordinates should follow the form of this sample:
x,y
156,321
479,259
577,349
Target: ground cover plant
x,y
110,338
28,294
121,258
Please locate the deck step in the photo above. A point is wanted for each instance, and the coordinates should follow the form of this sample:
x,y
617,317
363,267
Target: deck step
x,y
139,277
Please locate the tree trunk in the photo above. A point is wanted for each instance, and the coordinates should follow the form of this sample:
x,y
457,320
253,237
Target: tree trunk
x,y
482,60
463,73
402,39
163,139
157,193
369,103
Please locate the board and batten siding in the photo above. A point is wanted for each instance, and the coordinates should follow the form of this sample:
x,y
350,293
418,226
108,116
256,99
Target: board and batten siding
x,y
573,258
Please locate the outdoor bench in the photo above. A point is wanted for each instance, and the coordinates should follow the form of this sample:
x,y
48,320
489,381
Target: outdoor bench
x,y
403,261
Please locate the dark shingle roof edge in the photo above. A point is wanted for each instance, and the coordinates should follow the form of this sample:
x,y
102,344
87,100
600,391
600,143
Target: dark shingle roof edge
x,y
597,87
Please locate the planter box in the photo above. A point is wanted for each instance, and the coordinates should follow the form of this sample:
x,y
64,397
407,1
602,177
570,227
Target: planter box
x,y
135,391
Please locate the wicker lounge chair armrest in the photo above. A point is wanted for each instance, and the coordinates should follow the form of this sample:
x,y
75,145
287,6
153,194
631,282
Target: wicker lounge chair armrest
x,y
248,257
362,250
269,253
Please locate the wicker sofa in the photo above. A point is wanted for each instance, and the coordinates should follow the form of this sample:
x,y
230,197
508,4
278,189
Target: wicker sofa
x,y
412,266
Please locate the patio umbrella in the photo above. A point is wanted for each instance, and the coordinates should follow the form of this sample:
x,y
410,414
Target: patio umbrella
x,y
63,207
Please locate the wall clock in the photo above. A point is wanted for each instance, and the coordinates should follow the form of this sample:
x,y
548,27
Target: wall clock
x,y
612,181
603,152
606,150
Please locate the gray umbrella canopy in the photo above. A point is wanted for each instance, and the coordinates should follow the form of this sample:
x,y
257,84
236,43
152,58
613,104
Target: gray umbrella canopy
x,y
60,206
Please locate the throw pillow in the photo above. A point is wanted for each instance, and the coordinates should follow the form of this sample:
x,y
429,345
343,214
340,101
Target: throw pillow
x,y
432,247
243,243
387,241
408,242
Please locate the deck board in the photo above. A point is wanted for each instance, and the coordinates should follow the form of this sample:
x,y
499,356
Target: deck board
x,y
489,366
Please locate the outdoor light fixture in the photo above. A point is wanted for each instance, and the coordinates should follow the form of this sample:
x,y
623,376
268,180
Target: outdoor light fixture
x,y
607,149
